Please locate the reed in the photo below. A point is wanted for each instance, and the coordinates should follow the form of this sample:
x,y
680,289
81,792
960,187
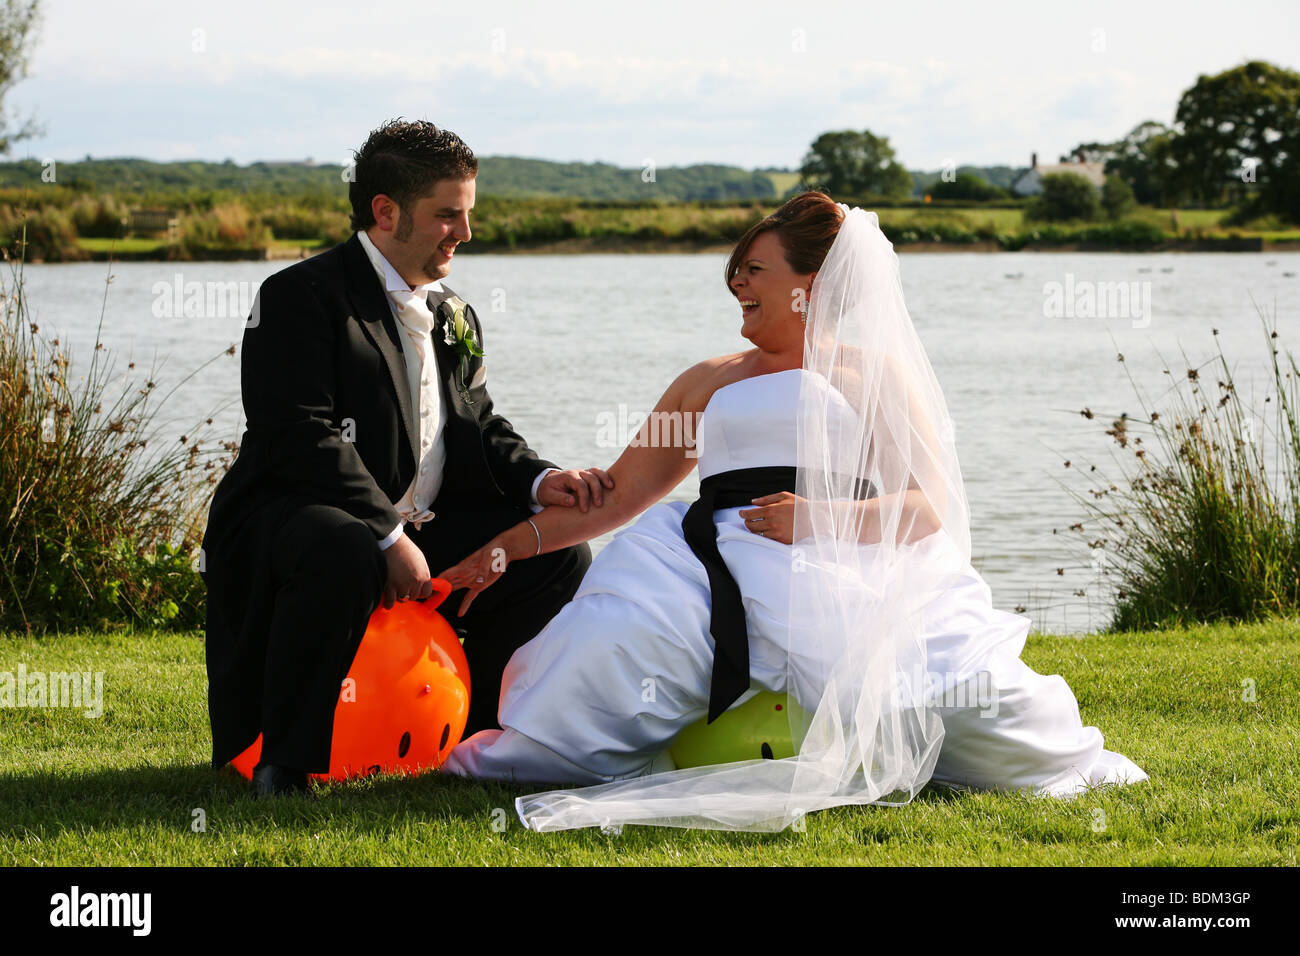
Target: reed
x,y
1201,523
104,512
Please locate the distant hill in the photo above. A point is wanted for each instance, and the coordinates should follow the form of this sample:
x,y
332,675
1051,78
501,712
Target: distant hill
x,y
146,176
786,181
516,176
509,176
994,175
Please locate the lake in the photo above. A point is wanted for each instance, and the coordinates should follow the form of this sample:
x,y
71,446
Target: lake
x,y
574,342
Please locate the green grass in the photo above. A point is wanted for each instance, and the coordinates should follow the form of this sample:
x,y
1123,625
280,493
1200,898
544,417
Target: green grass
x,y
299,243
150,245
1196,218
123,788
783,182
122,245
1000,220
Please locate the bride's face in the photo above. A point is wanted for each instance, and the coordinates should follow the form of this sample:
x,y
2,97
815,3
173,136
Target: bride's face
x,y
771,295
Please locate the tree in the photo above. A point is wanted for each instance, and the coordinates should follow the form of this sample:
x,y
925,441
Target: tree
x,y
1117,197
966,186
1239,138
854,164
1140,159
1064,196
1090,153
17,27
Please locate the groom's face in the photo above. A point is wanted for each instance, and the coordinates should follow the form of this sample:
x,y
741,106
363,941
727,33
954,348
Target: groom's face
x,y
426,233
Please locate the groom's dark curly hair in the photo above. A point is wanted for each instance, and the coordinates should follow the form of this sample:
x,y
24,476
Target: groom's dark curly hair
x,y
405,160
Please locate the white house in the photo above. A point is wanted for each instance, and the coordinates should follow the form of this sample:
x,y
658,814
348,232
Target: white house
x,y
1030,182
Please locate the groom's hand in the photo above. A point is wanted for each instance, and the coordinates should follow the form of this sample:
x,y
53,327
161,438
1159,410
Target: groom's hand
x,y
408,572
571,487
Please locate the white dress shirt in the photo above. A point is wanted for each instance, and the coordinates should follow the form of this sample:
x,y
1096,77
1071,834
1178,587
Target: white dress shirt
x,y
426,394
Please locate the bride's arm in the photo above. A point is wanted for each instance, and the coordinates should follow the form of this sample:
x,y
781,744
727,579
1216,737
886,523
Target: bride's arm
x,y
646,471
642,475
919,512
775,515
916,520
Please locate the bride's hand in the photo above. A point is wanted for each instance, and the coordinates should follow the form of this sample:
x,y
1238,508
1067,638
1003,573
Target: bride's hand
x,y
772,517
478,571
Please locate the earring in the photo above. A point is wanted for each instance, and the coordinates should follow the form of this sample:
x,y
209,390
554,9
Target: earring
x,y
805,312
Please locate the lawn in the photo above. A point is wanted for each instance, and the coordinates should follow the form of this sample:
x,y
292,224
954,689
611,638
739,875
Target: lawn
x,y
153,245
134,246
1001,220
1211,713
783,182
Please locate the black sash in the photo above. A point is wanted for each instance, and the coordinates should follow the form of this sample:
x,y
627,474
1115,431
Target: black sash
x,y
730,489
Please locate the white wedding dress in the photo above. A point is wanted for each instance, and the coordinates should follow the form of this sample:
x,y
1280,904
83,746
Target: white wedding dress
x,y
604,689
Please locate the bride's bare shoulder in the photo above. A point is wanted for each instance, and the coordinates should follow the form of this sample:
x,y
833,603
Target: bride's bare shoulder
x,y
695,386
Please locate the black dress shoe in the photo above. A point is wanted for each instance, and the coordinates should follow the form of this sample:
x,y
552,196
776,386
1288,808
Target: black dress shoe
x,y
271,780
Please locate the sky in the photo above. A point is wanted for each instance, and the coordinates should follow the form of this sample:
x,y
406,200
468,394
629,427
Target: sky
x,y
747,84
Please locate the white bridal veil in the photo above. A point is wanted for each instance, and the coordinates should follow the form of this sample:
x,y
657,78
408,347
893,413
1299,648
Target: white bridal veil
x,y
881,527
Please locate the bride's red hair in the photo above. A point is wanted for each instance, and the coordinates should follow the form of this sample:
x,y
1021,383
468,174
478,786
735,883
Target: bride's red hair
x,y
805,224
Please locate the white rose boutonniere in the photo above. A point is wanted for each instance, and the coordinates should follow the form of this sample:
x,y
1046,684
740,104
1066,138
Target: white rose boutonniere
x,y
459,334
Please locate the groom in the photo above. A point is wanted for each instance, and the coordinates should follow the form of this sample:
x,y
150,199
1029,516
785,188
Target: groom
x,y
372,453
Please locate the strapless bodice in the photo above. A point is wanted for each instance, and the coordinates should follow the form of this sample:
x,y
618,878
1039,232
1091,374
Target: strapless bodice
x,y
753,423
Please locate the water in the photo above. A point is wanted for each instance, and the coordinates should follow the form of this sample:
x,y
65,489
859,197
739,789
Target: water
x,y
576,341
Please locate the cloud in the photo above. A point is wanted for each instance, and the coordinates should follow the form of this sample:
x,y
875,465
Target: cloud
x,y
683,83
1095,96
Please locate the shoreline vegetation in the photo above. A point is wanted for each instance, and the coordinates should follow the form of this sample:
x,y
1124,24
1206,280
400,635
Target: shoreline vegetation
x,y
288,249
67,225
1201,522
924,234
105,509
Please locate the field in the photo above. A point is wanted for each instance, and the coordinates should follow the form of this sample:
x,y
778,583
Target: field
x,y
1211,713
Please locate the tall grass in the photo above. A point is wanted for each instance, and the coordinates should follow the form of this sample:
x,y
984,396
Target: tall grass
x,y
103,512
1201,525
48,233
227,226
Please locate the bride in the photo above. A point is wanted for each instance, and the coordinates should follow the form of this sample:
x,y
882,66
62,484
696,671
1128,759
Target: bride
x,y
828,558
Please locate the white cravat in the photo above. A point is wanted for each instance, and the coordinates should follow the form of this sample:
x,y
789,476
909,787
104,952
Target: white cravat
x,y
411,309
